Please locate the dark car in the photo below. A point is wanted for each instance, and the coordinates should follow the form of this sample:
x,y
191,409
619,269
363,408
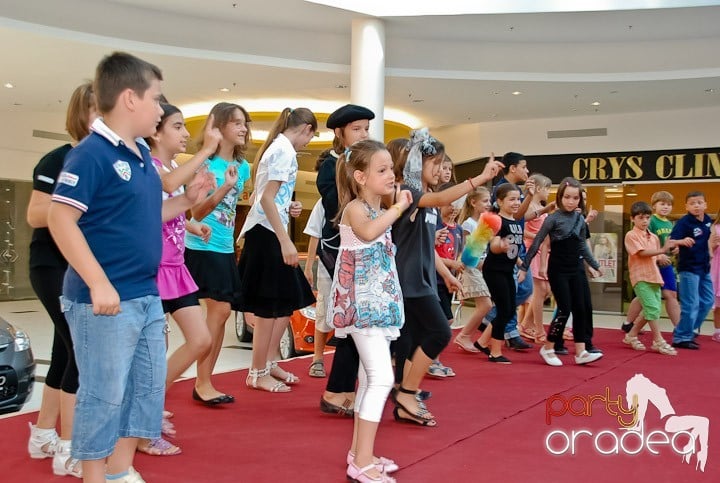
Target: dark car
x,y
17,368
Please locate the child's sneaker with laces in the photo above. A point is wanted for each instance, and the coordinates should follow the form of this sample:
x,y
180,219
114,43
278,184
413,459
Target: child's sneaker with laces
x,y
132,477
42,442
63,462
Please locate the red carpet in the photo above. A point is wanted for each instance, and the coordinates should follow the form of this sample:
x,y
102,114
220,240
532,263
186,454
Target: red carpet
x,y
492,425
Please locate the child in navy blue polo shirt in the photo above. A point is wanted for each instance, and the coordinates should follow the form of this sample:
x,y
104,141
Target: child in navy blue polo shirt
x,y
106,219
696,290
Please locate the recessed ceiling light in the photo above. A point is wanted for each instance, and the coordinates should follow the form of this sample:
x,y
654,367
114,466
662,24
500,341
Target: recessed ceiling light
x,y
708,91
516,93
596,103
8,85
224,89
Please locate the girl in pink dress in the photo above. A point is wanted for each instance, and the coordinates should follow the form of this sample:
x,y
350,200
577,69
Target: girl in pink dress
x,y
176,286
532,324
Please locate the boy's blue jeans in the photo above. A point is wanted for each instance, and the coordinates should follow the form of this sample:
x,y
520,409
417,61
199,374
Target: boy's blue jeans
x,y
523,292
122,367
696,299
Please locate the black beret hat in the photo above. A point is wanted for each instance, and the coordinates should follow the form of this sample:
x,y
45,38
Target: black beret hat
x,y
347,114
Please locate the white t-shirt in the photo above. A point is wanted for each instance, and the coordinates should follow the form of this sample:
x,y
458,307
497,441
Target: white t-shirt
x,y
316,220
469,225
278,163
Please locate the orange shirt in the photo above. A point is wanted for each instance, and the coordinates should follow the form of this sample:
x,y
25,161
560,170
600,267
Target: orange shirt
x,y
642,269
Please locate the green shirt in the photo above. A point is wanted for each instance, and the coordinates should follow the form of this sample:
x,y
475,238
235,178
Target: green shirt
x,y
661,227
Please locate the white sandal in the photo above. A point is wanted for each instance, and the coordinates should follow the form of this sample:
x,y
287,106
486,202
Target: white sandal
x,y
274,370
255,374
661,346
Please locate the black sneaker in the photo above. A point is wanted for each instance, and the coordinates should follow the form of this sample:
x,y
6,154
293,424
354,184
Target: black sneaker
x,y
499,359
627,327
517,344
484,350
686,344
592,349
561,350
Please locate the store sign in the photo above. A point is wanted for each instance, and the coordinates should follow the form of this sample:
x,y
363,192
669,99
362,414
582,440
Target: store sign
x,y
600,168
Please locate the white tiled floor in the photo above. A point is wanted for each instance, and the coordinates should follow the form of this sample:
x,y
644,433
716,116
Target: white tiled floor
x,y
31,316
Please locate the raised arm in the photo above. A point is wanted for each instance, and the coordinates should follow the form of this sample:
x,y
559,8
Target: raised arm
x,y
445,197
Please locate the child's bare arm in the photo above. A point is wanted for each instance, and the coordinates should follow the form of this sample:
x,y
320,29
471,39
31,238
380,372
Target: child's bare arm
x,y
63,225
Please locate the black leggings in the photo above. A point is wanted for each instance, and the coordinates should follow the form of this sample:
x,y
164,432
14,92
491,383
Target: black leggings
x,y
63,373
572,295
502,291
344,370
426,327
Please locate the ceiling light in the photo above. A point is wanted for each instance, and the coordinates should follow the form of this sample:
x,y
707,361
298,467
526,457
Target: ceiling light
x,y
596,103
516,93
8,85
224,89
418,100
708,91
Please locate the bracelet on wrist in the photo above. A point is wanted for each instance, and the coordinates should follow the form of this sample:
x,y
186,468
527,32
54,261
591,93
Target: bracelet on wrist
x,y
398,209
469,180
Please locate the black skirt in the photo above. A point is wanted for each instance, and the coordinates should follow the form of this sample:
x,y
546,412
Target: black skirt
x,y
268,287
214,273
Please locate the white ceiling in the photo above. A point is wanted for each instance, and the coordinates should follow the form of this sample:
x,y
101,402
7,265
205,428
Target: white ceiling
x,y
462,68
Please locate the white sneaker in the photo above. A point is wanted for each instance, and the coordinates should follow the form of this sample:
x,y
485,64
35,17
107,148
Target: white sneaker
x,y
586,357
42,442
132,477
549,357
63,462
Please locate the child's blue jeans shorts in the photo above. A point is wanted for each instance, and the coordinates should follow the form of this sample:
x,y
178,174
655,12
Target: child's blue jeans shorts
x,y
122,368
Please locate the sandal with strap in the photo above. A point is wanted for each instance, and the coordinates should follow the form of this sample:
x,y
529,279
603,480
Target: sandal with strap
x,y
634,342
359,475
568,334
158,447
420,417
317,369
167,428
661,346
527,332
281,374
252,381
437,370
540,339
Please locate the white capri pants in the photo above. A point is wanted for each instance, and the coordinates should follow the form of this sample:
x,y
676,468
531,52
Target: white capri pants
x,y
375,375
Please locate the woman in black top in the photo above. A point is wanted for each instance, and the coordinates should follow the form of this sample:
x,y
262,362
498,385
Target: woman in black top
x,y
47,270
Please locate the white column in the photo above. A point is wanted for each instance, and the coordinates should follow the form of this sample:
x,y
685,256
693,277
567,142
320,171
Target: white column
x,y
367,71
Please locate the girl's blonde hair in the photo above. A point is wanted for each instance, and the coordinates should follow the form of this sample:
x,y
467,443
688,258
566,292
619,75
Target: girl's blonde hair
x,y
475,195
288,119
541,181
356,157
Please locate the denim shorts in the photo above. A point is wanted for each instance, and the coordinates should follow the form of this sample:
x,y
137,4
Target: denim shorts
x,y
122,366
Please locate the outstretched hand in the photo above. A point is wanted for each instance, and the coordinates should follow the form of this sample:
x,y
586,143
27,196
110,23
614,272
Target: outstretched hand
x,y
200,186
492,168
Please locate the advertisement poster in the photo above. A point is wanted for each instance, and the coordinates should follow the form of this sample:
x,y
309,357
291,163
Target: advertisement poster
x,y
604,248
